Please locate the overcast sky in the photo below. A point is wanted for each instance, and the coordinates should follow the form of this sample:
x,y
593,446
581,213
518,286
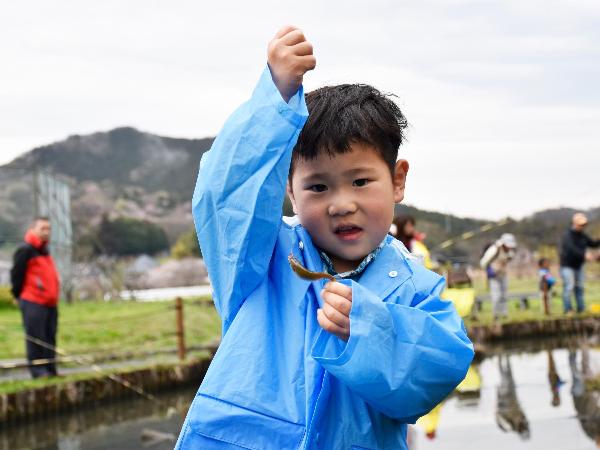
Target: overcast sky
x,y
503,98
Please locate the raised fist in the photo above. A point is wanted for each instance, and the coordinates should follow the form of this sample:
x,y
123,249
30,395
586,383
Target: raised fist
x,y
290,56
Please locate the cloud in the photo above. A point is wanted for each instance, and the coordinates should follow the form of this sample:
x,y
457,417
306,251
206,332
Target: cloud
x,y
501,96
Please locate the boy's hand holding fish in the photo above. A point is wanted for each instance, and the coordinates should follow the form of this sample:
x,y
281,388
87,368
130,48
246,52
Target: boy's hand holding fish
x,y
334,316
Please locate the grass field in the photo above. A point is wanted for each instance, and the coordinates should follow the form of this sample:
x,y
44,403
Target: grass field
x,y
536,310
105,327
98,328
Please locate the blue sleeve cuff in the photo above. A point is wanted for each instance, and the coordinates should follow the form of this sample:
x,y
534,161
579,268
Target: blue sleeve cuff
x,y
294,111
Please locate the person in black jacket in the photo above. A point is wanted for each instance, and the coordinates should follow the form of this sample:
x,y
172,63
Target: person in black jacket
x,y
572,257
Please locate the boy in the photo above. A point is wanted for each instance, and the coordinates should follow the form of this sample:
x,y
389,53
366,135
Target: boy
x,y
315,365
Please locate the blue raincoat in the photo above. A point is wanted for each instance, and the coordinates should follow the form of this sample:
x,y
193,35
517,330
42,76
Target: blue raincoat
x,y
278,381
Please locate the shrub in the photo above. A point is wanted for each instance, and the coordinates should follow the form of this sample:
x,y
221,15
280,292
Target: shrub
x,y
186,246
127,236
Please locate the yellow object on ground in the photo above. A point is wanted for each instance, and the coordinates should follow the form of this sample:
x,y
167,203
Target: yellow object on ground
x,y
594,308
463,299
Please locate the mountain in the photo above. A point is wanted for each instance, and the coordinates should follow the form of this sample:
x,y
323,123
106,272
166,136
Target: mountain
x,y
563,215
121,172
129,173
539,230
123,157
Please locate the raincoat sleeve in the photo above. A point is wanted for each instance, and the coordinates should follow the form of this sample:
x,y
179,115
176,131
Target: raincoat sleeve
x,y
237,203
402,360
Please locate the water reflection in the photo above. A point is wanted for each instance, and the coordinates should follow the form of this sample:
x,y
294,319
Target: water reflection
x,y
509,414
554,379
130,424
585,400
467,393
504,402
513,397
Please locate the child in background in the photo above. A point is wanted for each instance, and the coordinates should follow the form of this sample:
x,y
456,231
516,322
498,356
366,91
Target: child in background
x,y
546,282
309,364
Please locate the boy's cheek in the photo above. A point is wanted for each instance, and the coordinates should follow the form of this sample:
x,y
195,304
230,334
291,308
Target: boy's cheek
x,y
316,227
310,214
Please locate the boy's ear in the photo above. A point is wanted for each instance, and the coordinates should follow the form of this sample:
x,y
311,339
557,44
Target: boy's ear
x,y
399,179
290,193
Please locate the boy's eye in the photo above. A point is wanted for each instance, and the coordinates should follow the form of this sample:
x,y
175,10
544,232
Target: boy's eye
x,y
317,188
360,182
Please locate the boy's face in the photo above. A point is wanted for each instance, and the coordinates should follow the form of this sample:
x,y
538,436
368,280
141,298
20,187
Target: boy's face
x,y
346,202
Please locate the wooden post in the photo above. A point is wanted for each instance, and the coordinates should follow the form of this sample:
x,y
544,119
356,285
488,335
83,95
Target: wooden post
x,y
179,328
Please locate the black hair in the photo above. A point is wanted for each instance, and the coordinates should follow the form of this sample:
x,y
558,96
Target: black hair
x,y
542,261
348,113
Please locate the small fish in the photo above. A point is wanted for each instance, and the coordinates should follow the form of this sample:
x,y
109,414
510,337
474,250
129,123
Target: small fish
x,y
304,273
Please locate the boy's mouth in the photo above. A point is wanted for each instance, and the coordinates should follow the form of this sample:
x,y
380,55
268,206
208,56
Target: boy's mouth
x,y
347,232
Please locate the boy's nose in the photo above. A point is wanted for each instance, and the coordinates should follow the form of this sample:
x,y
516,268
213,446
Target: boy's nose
x,y
342,207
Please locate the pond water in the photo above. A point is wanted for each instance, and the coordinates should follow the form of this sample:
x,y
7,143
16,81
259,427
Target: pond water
x,y
529,398
137,423
528,395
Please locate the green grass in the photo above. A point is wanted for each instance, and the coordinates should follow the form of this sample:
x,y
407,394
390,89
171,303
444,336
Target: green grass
x,y
8,387
115,327
105,327
536,309
99,327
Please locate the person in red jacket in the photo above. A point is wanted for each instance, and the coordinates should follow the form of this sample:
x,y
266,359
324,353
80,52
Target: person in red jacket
x,y
35,284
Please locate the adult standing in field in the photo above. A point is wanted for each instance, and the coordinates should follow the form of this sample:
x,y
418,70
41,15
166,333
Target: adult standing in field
x,y
572,258
495,261
35,284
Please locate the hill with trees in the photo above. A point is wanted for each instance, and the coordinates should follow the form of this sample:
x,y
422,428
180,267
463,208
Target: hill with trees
x,y
139,185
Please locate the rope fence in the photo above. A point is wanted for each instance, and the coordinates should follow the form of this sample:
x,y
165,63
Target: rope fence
x,y
122,351
88,362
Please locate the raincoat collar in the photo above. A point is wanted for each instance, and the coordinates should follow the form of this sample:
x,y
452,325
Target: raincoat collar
x,y
388,271
355,273
381,276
